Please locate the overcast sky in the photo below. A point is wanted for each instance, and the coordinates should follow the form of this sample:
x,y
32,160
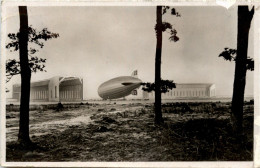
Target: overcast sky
x,y
99,43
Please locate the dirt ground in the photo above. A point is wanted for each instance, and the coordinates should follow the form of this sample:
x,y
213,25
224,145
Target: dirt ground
x,y
126,132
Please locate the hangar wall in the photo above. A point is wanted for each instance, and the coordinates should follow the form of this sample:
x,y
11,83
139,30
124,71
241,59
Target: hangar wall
x,y
53,90
182,90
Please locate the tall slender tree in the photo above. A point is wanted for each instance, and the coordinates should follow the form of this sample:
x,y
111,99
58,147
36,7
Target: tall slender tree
x,y
158,99
161,27
23,136
27,63
243,63
244,21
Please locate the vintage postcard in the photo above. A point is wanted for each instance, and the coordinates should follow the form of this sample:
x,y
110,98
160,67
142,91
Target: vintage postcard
x,y
130,84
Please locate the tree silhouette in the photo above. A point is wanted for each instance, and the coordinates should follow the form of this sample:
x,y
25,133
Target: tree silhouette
x,y
36,64
161,27
166,86
25,66
230,55
243,63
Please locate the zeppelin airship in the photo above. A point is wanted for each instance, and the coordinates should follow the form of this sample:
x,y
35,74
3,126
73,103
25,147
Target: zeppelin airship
x,y
118,87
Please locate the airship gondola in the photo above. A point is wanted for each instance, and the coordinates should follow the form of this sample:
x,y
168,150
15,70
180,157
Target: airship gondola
x,y
118,87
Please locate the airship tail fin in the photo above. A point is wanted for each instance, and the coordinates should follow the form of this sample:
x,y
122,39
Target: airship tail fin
x,y
134,74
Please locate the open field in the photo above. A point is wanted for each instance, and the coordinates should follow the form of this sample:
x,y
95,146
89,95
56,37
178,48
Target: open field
x,y
126,132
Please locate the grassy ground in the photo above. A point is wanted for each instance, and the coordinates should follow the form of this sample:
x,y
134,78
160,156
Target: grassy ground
x,y
125,132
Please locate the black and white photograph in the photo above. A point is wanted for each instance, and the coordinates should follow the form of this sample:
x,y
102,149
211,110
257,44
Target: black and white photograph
x,y
113,83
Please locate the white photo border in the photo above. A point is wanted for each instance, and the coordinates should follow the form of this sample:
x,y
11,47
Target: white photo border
x,y
215,164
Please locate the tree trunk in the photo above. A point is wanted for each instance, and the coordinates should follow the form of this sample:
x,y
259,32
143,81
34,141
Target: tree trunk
x,y
23,136
244,20
158,113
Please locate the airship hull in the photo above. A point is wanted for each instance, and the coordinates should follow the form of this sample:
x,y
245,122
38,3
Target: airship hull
x,y
118,87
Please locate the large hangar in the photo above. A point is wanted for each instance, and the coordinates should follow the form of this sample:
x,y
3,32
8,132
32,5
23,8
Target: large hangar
x,y
187,90
66,89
